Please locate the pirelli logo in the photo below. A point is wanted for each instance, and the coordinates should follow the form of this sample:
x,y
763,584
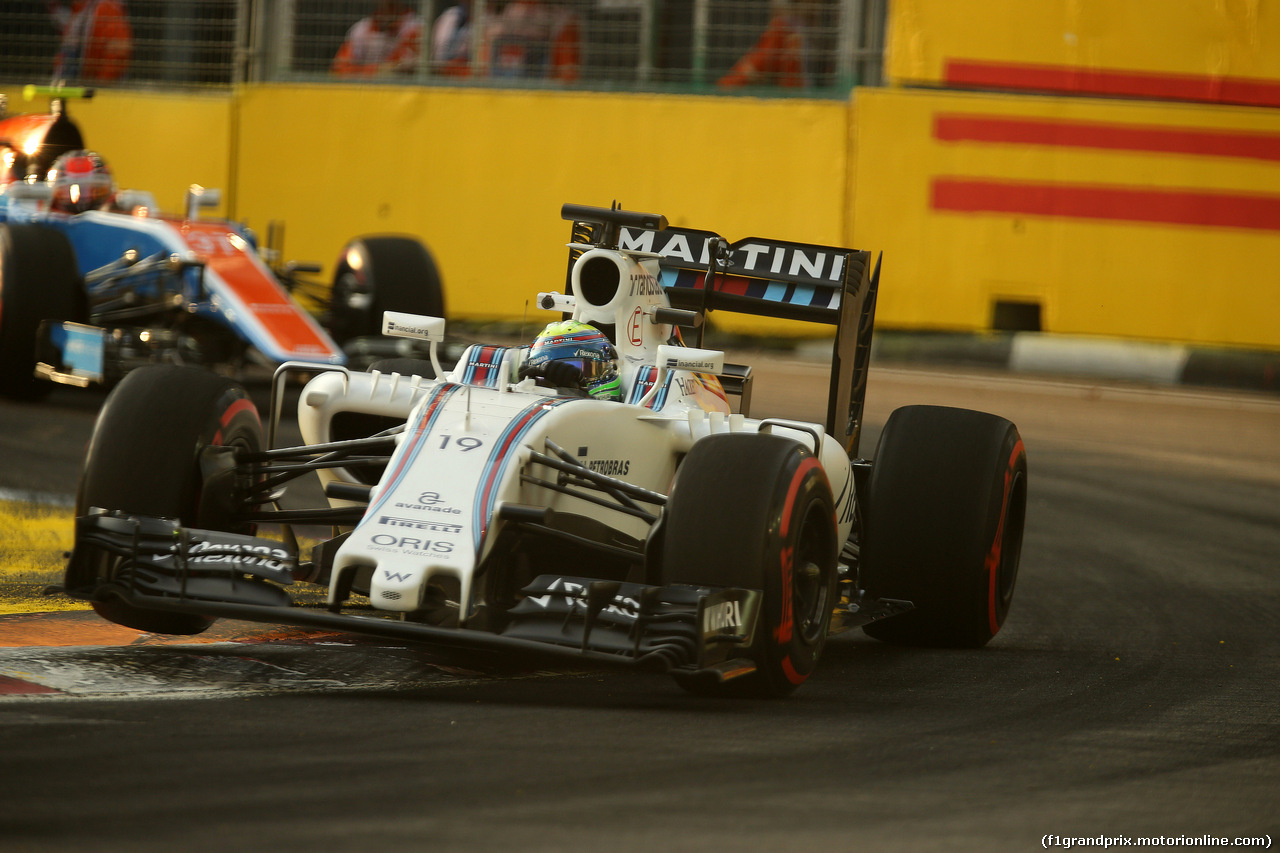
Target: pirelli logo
x,y
420,524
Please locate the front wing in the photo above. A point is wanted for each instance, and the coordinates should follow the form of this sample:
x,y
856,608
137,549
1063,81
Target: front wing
x,y
155,564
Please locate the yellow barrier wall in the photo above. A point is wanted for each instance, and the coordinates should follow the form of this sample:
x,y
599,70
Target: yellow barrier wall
x,y
480,175
161,143
1226,51
1120,218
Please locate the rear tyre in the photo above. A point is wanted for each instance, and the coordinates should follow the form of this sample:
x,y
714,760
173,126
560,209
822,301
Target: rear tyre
x,y
755,511
39,280
377,274
944,520
144,459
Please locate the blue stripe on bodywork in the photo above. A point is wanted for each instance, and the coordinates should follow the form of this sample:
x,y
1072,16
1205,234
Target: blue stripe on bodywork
x,y
486,493
483,367
644,381
430,413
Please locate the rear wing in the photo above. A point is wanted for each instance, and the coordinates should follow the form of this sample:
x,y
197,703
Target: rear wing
x,y
34,140
804,282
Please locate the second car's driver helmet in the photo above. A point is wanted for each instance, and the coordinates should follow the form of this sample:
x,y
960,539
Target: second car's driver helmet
x,y
81,181
578,347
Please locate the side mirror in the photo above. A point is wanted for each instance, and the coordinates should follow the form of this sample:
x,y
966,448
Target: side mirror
x,y
198,197
420,327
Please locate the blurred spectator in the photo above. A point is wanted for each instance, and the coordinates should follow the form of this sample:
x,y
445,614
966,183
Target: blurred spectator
x,y
387,41
531,38
528,38
97,41
451,40
781,56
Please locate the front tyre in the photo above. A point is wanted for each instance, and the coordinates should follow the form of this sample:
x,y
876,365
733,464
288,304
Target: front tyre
x,y
944,519
755,511
144,457
39,280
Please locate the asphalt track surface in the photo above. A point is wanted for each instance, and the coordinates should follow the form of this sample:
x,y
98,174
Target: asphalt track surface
x,y
1133,693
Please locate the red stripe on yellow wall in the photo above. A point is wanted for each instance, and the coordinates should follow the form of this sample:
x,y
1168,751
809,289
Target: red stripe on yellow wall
x,y
1026,77
1127,204
1110,136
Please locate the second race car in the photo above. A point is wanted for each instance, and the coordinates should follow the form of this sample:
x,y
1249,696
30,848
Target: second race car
x,y
96,281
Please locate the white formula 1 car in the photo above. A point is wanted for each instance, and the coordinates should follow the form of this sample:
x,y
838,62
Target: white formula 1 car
x,y
478,509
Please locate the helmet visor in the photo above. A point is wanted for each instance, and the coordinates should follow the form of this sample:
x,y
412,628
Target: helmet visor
x,y
591,368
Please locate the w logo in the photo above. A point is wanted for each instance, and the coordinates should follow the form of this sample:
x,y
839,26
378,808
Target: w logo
x,y
398,577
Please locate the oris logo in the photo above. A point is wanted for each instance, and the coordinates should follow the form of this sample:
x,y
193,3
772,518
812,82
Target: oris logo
x,y
412,544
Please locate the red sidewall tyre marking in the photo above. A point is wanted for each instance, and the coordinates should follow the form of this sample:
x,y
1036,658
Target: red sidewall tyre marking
x,y
997,544
784,633
241,405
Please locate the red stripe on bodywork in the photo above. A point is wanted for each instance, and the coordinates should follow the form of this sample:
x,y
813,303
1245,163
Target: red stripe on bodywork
x,y
1107,136
491,358
1128,204
420,431
1203,88
735,285
497,460
282,319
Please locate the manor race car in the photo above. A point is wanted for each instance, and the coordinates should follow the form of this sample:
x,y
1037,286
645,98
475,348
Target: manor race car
x,y
498,506
90,290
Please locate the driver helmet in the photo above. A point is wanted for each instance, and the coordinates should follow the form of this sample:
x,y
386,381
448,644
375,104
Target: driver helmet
x,y
584,347
81,181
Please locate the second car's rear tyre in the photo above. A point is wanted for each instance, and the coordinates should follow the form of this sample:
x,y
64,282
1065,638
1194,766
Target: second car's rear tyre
x,y
144,459
39,280
944,519
755,511
377,274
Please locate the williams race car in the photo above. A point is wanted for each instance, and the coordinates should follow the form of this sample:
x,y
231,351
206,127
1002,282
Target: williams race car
x,y
534,499
95,282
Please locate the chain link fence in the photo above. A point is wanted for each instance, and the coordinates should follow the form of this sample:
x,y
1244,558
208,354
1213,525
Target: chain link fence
x,y
148,42
760,47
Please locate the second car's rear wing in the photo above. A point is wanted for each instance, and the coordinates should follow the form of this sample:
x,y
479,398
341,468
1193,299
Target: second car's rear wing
x,y
772,278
